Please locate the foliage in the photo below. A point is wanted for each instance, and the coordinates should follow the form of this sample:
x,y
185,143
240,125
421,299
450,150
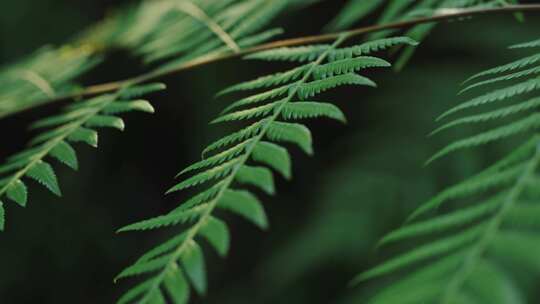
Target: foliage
x,y
150,30
479,240
490,235
224,163
75,124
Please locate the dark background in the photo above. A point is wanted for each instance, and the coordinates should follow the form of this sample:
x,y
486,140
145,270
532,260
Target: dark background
x,y
364,179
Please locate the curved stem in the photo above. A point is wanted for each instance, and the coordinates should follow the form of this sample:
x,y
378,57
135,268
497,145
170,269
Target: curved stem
x,y
211,58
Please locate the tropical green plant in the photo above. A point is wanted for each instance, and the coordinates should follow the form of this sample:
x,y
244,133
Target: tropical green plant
x,y
169,36
289,97
75,124
477,245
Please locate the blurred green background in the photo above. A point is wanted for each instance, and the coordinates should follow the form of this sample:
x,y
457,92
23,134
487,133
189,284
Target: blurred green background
x,y
364,180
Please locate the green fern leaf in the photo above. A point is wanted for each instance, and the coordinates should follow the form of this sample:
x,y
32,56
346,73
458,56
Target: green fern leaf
x,y
193,262
141,90
268,81
256,176
43,173
273,156
492,115
208,175
530,44
143,267
135,292
239,136
200,198
60,119
512,66
313,88
105,121
50,135
292,54
13,165
217,234
433,249
370,47
279,91
246,205
156,297
518,247
162,249
260,111
516,75
165,220
177,287
310,109
85,135
476,184
498,95
128,106
441,223
92,103
64,153
435,273
17,192
291,133
524,215
348,65
526,124
219,158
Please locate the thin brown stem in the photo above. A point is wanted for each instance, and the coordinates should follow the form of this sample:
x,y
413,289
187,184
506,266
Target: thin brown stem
x,y
211,58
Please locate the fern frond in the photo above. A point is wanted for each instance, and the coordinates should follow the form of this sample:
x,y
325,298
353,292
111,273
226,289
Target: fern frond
x,y
371,47
267,81
279,91
219,158
444,222
311,109
442,246
530,44
313,88
465,246
227,168
239,136
74,125
492,115
509,67
346,66
497,95
260,111
520,74
273,156
292,54
530,123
